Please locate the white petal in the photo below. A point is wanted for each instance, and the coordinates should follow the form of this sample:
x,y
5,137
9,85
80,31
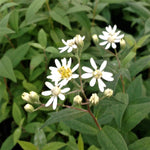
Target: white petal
x,y
92,82
74,46
107,76
61,96
114,29
93,63
58,65
75,68
86,75
46,93
117,33
107,46
105,33
70,49
109,29
55,103
103,37
117,41
64,61
53,68
103,43
49,101
120,37
65,90
103,65
74,76
49,85
63,49
64,41
87,69
69,63
113,45
63,83
101,85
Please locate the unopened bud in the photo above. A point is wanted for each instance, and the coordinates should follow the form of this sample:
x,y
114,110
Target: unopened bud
x,y
122,43
108,92
29,108
94,99
79,40
25,96
34,97
77,99
95,38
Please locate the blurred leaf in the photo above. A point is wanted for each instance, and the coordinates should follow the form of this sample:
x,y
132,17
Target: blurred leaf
x,y
42,38
18,54
138,66
33,8
16,113
93,148
141,41
5,30
54,146
78,8
29,86
27,145
134,114
65,114
4,21
51,49
40,138
142,144
37,45
16,134
147,25
33,127
80,143
55,37
114,1
110,139
136,85
64,20
7,69
7,5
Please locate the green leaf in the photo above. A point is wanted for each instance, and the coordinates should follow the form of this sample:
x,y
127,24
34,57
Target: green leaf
x,y
142,144
40,138
51,49
60,19
33,9
7,5
110,139
27,145
138,66
29,86
134,114
36,61
42,38
141,41
4,20
114,1
147,25
7,69
5,30
16,135
80,143
16,113
54,146
18,53
37,45
65,114
78,8
93,148
33,127
136,85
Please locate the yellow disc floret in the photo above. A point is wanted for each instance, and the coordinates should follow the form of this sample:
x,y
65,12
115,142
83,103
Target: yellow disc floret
x,y
97,74
65,72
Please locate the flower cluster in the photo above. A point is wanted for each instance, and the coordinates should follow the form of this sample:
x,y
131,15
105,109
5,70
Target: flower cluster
x,y
63,72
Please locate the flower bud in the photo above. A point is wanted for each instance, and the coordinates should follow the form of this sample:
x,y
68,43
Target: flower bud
x,y
94,99
29,108
95,38
122,43
108,92
79,40
25,96
34,97
77,99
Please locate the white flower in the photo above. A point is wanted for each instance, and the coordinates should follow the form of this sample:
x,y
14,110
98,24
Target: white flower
x,y
97,74
94,99
56,92
110,37
70,44
63,72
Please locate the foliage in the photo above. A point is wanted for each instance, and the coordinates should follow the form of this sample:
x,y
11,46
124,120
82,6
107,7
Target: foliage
x,y
31,32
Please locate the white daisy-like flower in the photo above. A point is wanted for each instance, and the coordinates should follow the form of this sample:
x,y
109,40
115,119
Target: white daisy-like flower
x,y
111,37
97,74
63,72
55,92
70,44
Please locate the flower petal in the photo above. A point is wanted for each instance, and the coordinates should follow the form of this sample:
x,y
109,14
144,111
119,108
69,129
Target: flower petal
x,y
114,29
70,49
103,43
49,85
103,65
101,85
49,101
64,61
58,65
63,49
86,75
92,82
65,90
113,45
69,62
93,63
61,96
54,103
107,46
64,41
75,68
46,93
87,69
107,76
103,37
74,76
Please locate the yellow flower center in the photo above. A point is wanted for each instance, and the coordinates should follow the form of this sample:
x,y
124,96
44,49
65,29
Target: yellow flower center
x,y
111,39
70,43
97,74
65,72
56,91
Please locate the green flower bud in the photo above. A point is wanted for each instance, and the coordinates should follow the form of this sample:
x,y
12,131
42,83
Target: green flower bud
x,y
108,92
29,108
34,97
94,99
79,40
95,38
25,96
122,43
77,99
